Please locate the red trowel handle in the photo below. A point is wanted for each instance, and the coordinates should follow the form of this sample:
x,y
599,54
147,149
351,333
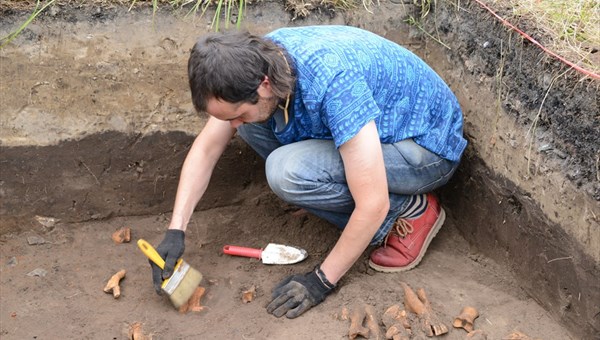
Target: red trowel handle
x,y
242,251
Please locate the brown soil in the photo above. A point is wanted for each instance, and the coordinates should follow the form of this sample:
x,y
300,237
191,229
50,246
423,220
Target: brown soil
x,y
68,302
95,123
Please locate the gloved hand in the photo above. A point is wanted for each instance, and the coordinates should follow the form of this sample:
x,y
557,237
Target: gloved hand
x,y
170,249
298,293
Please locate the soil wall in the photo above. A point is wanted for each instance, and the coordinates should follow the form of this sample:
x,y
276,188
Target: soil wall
x,y
96,119
527,194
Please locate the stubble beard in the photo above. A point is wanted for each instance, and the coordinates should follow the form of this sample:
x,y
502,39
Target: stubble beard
x,y
268,105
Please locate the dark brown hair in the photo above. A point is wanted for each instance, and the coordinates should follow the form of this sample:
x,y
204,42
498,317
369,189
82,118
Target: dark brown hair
x,y
231,65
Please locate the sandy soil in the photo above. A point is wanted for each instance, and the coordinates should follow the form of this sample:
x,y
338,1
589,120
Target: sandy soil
x,y
78,259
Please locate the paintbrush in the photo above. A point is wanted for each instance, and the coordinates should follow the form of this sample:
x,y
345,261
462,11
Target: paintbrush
x,y
184,281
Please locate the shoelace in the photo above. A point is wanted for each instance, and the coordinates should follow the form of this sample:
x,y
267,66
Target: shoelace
x,y
401,227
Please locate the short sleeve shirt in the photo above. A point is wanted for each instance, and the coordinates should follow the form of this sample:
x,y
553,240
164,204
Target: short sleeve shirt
x,y
348,77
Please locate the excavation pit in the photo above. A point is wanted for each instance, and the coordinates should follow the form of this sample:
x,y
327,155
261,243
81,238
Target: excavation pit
x,y
96,120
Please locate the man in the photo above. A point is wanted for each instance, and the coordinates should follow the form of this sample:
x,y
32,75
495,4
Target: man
x,y
354,129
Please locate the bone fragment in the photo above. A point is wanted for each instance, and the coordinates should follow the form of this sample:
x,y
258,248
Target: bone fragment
x,y
194,303
412,303
345,314
433,320
477,334
122,235
357,317
418,303
516,335
396,323
395,314
466,318
112,286
248,295
136,333
372,323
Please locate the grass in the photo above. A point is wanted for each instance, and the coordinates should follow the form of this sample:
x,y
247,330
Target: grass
x,y
570,28
417,23
224,8
37,10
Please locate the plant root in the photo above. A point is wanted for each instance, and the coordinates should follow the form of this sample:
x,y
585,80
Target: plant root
x,y
466,319
112,286
194,303
122,235
419,304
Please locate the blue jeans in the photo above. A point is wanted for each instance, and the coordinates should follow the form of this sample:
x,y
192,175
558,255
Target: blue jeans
x,y
310,174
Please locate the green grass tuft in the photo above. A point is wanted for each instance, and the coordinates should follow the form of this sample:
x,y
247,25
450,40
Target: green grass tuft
x,y
33,15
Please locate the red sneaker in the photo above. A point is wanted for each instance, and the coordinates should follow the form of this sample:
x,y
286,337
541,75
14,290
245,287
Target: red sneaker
x,y
407,242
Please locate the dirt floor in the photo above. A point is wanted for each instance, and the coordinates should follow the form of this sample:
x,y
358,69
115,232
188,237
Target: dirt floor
x,y
84,143
76,260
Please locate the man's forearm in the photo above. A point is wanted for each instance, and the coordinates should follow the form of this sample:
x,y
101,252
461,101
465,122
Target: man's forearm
x,y
197,170
354,240
190,189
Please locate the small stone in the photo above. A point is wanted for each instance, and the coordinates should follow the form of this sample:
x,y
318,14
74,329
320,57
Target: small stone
x,y
48,222
560,154
38,272
54,10
35,240
11,262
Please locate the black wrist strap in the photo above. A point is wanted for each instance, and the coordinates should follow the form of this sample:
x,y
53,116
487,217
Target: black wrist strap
x,y
323,278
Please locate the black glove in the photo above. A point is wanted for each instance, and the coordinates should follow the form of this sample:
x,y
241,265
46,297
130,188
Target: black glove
x,y
298,293
170,249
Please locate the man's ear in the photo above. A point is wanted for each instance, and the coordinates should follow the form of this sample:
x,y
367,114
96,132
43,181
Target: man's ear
x,y
264,89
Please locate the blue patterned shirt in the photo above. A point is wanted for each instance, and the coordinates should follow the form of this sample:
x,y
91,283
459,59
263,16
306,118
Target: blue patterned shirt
x,y
347,77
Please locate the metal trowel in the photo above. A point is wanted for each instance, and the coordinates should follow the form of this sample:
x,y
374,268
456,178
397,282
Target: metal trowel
x,y
271,254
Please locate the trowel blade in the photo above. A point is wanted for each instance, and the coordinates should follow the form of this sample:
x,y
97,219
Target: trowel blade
x,y
281,254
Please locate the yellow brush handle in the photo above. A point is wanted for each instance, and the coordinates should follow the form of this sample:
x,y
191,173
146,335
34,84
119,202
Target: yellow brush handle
x,y
151,253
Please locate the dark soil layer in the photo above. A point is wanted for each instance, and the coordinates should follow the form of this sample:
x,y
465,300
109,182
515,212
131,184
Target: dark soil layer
x,y
559,105
504,223
96,181
110,174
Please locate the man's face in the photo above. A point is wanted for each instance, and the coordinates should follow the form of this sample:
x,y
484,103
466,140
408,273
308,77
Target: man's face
x,y
238,114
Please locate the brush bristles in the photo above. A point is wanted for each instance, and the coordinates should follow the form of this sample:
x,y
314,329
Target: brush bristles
x,y
182,284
